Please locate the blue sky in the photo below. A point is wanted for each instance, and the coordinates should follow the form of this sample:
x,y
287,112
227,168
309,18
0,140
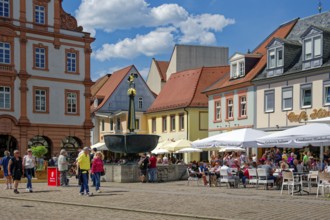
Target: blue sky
x,y
134,31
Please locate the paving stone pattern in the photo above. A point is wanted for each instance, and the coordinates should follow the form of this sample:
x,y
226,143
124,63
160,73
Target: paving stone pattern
x,y
172,200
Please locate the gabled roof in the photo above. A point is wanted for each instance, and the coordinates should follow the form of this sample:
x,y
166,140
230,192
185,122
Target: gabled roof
x,y
111,85
99,83
184,89
284,41
280,32
162,68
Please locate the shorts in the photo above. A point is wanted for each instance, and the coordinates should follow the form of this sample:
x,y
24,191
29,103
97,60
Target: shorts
x,y
17,176
143,172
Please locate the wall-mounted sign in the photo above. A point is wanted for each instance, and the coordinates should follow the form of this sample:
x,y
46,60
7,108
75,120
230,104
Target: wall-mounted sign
x,y
303,116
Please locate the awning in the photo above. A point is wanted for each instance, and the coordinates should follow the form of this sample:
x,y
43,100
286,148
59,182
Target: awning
x,y
99,146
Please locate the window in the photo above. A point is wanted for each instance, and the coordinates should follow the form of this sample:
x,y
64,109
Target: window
x,y
72,102
153,125
137,124
269,101
181,122
4,8
279,52
41,100
241,68
317,47
308,49
306,96
172,122
111,125
102,126
271,59
234,70
4,53
40,57
5,97
287,99
217,105
243,107
140,103
39,13
71,62
164,124
118,124
230,109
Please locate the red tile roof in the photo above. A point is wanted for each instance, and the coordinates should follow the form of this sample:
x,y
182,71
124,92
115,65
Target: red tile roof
x,y
162,68
99,83
183,89
111,85
227,84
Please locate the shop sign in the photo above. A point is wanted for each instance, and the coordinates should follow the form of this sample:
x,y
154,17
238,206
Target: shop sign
x,y
303,116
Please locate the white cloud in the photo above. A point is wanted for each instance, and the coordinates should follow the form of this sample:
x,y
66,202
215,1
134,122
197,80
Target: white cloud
x,y
156,42
172,23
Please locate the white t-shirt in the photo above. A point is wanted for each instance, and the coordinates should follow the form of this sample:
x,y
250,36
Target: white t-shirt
x,y
29,161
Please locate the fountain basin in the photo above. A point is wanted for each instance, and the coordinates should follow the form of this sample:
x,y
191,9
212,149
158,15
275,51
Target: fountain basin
x,y
131,143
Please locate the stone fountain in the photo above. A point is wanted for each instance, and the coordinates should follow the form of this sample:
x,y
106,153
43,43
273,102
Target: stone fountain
x,y
131,143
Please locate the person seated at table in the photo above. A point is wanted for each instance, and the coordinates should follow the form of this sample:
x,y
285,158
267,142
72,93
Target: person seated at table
x,y
284,164
246,174
193,172
229,171
254,165
291,158
269,171
295,164
215,170
204,171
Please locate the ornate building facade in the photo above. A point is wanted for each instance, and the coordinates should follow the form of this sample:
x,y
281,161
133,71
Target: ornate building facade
x,y
44,77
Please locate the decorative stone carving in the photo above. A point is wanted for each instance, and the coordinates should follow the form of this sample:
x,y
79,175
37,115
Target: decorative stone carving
x,y
68,22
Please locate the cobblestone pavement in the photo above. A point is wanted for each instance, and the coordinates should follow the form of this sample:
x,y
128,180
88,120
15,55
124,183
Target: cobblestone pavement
x,y
173,200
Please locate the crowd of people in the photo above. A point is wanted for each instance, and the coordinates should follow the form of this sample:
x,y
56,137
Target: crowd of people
x,y
89,165
237,165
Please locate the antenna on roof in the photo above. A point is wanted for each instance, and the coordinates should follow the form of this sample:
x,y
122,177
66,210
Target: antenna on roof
x,y
320,6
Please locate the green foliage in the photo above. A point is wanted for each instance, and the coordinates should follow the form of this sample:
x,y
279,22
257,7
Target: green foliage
x,y
39,151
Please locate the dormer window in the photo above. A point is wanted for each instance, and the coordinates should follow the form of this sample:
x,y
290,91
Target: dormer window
x,y
234,70
241,68
275,58
312,48
237,66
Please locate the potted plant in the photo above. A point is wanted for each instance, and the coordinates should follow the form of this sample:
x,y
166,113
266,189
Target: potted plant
x,y
39,152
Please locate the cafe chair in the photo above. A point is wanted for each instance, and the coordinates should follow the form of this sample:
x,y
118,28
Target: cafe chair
x,y
289,181
253,177
262,178
323,182
192,177
225,178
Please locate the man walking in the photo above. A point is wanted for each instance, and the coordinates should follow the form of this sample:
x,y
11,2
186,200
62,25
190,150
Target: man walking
x,y
63,167
84,165
152,168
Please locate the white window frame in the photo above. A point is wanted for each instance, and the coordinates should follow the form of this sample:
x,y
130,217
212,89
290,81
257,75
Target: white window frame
x,y
234,70
303,88
140,103
5,50
72,102
217,105
241,68
5,5
275,62
326,88
278,63
40,13
71,59
310,50
271,58
286,96
314,46
243,112
5,96
40,58
41,100
230,108
267,93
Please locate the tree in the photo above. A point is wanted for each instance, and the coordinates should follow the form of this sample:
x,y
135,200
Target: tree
x,y
39,152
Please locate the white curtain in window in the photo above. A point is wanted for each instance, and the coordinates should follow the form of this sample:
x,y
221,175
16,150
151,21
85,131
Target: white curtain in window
x,y
317,47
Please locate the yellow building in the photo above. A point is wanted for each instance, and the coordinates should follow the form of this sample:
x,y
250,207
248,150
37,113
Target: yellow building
x,y
181,110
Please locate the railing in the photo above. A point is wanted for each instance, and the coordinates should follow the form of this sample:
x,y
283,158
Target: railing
x,y
6,68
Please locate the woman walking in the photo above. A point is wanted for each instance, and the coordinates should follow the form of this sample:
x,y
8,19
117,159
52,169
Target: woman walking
x,y
97,169
15,169
4,164
63,167
29,162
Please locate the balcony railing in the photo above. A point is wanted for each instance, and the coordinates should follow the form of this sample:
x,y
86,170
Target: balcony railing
x,y
6,68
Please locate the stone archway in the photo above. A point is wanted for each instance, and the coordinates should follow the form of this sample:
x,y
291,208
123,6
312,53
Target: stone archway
x,y
41,141
8,143
71,145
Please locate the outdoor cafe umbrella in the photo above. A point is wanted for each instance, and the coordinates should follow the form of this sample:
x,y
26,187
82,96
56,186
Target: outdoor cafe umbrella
x,y
232,149
314,134
189,150
245,137
99,146
178,145
160,151
161,145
